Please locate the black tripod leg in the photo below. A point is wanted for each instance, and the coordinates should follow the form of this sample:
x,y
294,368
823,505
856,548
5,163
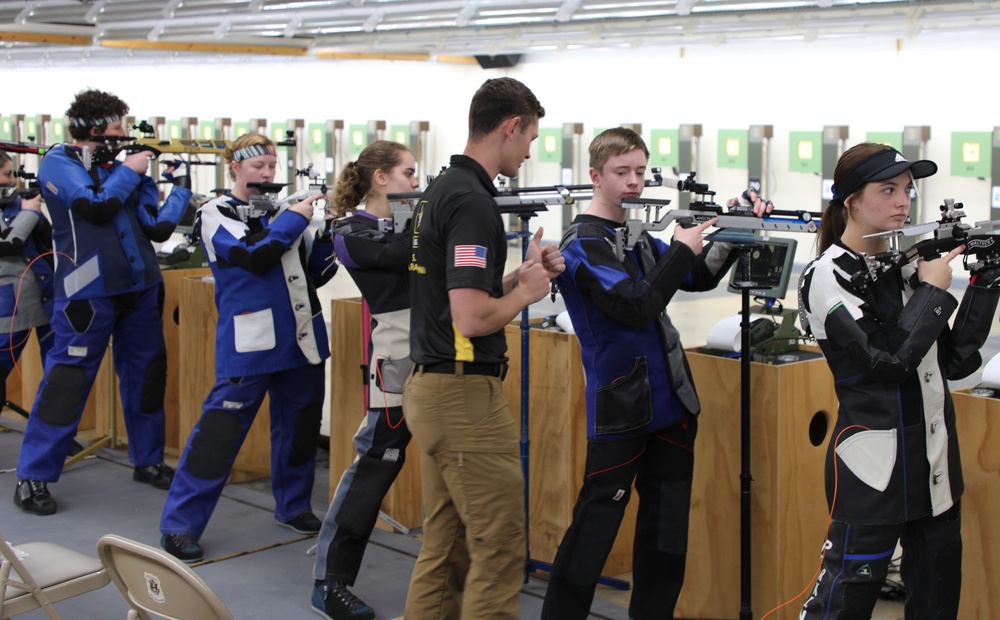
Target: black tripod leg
x,y
16,409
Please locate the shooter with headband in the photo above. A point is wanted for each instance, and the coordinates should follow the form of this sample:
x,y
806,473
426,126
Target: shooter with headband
x,y
26,283
892,471
641,403
107,281
270,339
377,260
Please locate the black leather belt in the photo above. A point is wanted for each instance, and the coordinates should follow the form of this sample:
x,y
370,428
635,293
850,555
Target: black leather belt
x,y
464,368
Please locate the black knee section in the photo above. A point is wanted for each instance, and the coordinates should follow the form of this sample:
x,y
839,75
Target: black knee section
x,y
161,298
154,385
372,480
675,509
216,442
596,526
858,597
80,315
64,395
306,435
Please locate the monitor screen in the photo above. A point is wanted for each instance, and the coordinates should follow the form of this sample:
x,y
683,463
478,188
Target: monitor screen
x,y
185,225
771,263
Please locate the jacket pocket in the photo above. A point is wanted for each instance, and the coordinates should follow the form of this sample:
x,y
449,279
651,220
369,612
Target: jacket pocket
x,y
871,456
390,374
254,331
626,404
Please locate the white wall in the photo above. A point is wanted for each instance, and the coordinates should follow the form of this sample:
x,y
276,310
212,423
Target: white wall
x,y
865,84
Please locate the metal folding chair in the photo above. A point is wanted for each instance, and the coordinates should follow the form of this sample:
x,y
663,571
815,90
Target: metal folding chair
x,y
155,582
36,575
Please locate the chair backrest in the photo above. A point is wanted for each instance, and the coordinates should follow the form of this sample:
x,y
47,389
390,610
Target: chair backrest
x,y
155,582
49,573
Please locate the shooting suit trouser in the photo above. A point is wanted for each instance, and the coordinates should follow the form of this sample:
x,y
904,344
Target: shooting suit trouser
x,y
82,329
11,347
857,562
380,444
473,497
227,414
662,464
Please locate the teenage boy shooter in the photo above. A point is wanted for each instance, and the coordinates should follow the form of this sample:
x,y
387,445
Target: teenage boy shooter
x,y
641,403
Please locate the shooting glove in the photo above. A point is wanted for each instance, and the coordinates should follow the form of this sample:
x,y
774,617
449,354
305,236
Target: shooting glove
x,y
179,180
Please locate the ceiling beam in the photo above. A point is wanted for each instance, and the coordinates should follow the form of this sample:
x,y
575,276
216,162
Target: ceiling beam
x,y
208,47
331,55
42,37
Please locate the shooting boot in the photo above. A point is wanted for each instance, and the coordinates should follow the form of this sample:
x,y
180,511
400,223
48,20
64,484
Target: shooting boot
x,y
159,475
33,496
305,523
332,600
184,547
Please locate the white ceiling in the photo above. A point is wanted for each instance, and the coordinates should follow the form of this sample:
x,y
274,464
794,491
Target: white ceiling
x,y
34,31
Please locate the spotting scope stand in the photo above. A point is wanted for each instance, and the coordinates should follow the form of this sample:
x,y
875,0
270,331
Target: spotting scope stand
x,y
744,284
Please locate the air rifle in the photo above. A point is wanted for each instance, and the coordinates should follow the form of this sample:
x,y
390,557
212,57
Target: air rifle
x,y
266,200
521,201
23,147
10,192
981,241
178,145
316,183
702,209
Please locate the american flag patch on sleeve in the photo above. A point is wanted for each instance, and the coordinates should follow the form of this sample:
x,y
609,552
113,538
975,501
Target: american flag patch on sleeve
x,y
470,256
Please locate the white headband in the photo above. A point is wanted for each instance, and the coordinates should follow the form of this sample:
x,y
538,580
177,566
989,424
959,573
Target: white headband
x,y
95,122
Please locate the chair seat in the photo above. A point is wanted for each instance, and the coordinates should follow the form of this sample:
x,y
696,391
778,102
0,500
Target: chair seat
x,y
62,573
50,564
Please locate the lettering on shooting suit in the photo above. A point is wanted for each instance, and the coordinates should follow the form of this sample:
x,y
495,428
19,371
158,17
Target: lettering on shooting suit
x,y
826,547
418,217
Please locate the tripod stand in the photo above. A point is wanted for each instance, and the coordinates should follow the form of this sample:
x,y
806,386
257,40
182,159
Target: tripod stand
x,y
745,284
524,214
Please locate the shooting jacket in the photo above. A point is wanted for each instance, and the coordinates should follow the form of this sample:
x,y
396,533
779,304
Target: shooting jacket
x,y
637,374
891,352
266,273
378,263
103,221
24,236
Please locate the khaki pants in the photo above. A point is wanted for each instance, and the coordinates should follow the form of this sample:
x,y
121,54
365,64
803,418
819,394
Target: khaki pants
x,y
473,496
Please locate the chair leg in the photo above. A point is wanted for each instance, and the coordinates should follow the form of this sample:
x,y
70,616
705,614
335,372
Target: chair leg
x,y
43,601
46,605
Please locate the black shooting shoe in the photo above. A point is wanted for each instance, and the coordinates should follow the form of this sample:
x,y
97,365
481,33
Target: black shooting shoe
x,y
159,475
184,547
305,523
33,496
332,600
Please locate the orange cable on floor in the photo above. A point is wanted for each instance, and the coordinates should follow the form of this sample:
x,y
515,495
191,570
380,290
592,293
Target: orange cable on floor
x,y
833,504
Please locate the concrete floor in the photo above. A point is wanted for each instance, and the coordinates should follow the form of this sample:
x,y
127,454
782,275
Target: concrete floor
x,y
259,569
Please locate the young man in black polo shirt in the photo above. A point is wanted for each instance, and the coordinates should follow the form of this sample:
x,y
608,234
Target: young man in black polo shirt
x,y
455,408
